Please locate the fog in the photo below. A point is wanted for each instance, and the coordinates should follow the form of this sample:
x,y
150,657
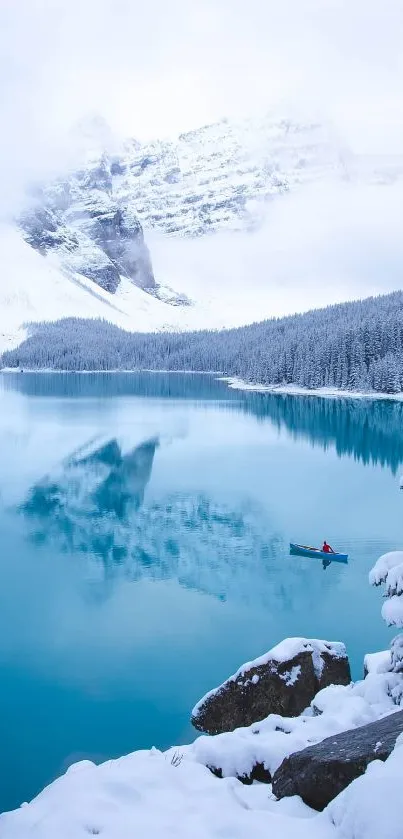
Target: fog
x,y
325,244
154,69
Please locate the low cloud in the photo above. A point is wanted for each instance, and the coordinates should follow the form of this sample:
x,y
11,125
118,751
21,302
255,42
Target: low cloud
x,y
323,244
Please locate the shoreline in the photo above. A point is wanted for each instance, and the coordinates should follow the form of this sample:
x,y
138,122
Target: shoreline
x,y
232,382
295,390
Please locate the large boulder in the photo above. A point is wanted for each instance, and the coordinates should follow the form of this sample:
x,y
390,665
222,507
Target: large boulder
x,y
319,773
284,681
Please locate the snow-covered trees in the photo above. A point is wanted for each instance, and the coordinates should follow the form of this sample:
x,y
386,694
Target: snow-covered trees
x,y
389,570
354,346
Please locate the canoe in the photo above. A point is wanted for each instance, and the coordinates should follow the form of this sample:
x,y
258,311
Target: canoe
x,y
306,550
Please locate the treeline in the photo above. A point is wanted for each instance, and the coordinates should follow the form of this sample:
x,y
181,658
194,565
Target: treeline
x,y
352,346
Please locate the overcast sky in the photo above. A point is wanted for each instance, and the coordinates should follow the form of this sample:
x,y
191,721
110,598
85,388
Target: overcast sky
x,y
156,67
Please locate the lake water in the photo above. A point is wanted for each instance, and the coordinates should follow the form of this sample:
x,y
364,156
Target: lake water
x,y
145,526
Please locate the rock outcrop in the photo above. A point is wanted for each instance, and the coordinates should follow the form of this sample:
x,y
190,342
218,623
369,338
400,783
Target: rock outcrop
x,y
93,234
319,773
284,681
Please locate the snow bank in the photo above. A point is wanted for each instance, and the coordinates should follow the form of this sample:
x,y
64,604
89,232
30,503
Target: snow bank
x,y
377,662
389,570
392,611
147,795
334,709
297,390
396,654
379,573
370,808
284,651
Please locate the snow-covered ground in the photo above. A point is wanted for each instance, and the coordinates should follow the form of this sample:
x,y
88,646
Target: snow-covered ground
x,y
150,794
34,288
146,794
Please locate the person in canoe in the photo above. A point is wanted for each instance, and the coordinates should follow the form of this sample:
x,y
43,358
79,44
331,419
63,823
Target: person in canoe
x,y
327,549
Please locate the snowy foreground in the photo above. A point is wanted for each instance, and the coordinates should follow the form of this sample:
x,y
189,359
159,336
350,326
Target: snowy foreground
x,y
144,794
150,793
174,794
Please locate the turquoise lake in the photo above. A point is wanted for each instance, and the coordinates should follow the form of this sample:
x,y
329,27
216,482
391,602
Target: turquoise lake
x,y
145,529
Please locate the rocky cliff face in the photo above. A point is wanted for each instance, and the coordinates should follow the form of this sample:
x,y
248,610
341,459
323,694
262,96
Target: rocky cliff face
x,y
91,231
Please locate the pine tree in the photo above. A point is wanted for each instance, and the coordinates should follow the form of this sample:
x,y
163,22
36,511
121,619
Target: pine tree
x,y
389,571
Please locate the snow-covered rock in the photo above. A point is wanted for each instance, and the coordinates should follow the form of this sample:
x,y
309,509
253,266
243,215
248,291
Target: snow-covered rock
x,y
283,681
377,662
319,773
265,744
371,808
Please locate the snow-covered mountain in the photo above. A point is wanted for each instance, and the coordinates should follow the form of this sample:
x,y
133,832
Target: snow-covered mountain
x,y
96,225
214,178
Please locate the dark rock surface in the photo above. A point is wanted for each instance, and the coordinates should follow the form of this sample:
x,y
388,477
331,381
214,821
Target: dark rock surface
x,y
272,686
319,773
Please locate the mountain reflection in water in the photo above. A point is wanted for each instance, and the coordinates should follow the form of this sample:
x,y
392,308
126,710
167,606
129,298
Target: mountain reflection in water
x,y
94,506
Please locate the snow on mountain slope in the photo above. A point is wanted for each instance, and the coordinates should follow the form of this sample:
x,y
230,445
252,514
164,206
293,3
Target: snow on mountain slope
x,y
36,288
216,177
220,177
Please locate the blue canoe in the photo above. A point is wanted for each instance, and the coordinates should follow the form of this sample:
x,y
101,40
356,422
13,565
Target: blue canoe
x,y
305,550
